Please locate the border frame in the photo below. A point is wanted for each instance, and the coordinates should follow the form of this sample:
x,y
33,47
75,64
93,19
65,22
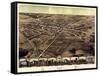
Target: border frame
x,y
14,36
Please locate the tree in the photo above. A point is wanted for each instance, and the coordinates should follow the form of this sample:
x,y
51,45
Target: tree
x,y
73,51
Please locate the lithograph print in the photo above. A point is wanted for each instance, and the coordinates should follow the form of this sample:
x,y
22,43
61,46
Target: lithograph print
x,y
53,37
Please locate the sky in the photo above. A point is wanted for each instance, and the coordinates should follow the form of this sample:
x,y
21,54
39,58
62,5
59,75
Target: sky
x,y
51,9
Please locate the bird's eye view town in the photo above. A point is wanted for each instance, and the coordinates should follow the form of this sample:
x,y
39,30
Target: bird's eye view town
x,y
56,40
48,40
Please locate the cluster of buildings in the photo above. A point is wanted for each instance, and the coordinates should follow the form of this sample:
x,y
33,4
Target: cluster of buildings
x,y
56,61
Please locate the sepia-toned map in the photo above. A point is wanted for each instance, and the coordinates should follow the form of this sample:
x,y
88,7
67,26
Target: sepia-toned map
x,y
56,40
